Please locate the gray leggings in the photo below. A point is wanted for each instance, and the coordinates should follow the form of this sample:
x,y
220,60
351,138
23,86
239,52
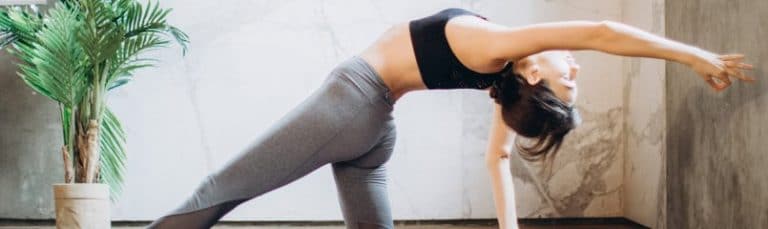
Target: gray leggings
x,y
347,122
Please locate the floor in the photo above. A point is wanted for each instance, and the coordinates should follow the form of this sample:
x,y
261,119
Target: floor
x,y
559,223
408,226
399,227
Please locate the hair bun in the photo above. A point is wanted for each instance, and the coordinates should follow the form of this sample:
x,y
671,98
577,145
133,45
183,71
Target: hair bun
x,y
506,88
494,92
497,91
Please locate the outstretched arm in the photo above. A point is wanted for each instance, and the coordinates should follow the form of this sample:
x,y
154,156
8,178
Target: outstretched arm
x,y
497,160
618,39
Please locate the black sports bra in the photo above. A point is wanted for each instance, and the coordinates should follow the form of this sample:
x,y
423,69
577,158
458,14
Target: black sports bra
x,y
438,65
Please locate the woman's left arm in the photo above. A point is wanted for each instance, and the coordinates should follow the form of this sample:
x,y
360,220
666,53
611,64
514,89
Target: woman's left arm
x,y
614,38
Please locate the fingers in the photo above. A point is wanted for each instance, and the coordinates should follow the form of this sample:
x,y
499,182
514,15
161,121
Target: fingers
x,y
724,77
732,57
730,66
739,75
716,83
734,69
745,66
720,81
713,84
733,64
716,86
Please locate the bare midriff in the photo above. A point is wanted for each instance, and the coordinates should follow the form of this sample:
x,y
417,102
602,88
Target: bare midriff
x,y
393,58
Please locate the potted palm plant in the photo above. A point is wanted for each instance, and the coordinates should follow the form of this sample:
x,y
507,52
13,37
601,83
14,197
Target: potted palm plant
x,y
74,53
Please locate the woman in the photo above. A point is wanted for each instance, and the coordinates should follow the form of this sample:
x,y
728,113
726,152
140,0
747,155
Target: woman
x,y
347,122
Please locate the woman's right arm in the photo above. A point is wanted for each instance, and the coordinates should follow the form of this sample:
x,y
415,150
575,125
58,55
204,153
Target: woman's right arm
x,y
614,38
497,162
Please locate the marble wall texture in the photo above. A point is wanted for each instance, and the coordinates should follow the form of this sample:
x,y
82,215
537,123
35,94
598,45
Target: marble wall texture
x,y
644,129
191,114
716,142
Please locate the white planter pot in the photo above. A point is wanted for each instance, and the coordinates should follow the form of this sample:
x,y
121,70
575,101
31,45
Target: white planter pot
x,y
84,206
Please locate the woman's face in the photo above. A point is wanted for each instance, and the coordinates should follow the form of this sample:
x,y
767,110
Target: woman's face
x,y
558,69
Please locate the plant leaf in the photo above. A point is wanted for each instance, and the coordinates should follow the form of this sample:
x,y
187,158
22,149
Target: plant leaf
x,y
51,61
113,153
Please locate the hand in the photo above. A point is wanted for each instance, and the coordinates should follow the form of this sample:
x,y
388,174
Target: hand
x,y
717,69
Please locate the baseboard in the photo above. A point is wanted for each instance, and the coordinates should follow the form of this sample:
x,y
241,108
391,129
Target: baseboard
x,y
48,222
524,221
580,221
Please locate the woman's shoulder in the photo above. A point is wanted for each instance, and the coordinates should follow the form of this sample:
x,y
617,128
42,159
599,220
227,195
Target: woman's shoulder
x,y
453,12
449,13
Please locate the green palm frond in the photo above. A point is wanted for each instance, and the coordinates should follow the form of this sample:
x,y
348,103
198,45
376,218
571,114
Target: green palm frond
x,y
112,145
139,20
145,28
51,64
150,19
19,25
125,61
28,72
181,37
100,36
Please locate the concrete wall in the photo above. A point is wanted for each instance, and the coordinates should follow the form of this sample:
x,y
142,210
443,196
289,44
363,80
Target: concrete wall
x,y
716,142
30,134
187,117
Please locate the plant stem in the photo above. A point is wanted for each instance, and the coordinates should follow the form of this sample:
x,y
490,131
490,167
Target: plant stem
x,y
68,176
72,129
93,151
65,118
89,146
96,93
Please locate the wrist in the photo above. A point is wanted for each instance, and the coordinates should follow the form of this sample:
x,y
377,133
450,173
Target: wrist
x,y
692,56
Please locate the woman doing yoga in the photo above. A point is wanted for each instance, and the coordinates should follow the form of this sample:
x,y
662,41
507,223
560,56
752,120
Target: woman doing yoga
x,y
348,123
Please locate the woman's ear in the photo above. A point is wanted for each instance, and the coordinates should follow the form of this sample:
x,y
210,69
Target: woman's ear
x,y
532,75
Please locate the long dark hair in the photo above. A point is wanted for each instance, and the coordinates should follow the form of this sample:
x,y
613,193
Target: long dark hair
x,y
534,112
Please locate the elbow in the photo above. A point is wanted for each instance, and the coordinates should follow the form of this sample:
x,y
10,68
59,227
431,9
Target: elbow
x,y
606,23
606,28
602,32
495,157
